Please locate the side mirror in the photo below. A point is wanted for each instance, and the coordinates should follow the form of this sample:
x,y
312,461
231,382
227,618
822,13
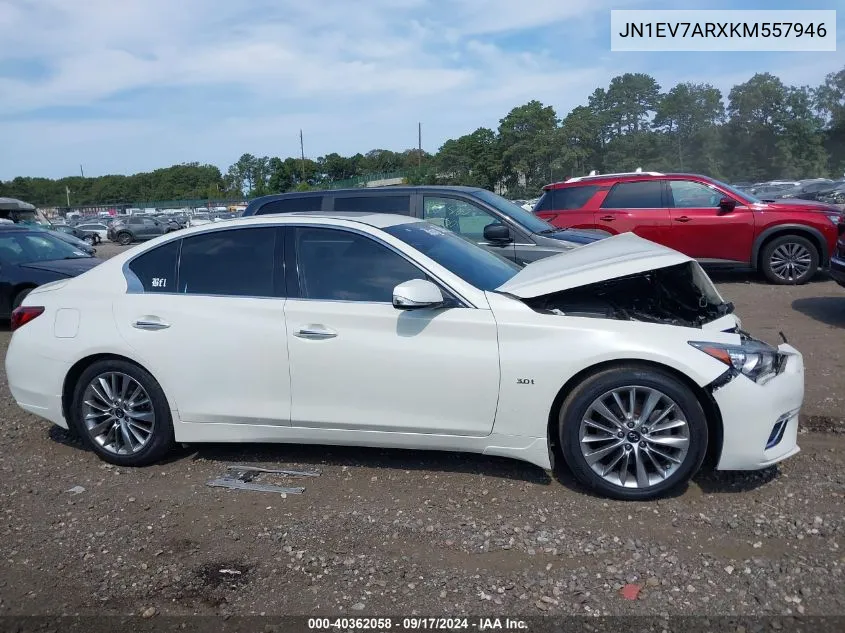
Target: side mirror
x,y
415,294
727,204
497,233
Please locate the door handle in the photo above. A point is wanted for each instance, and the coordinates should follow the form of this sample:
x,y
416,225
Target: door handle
x,y
150,325
683,218
315,333
607,218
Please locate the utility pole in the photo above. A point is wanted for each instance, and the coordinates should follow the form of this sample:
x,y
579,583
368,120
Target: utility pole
x,y
419,144
81,173
302,153
67,193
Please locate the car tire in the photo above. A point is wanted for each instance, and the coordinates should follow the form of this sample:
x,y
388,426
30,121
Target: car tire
x,y
124,238
89,239
789,260
120,430
590,442
18,300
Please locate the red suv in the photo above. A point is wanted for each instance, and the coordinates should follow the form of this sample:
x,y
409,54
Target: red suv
x,y
703,218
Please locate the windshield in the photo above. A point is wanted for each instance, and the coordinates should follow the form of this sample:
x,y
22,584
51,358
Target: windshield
x,y
31,218
523,218
24,248
742,195
467,260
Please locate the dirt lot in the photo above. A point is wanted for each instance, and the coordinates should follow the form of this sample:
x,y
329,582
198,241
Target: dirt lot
x,y
395,532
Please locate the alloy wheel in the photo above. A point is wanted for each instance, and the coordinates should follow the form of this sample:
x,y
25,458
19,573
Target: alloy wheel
x,y
790,261
634,436
118,413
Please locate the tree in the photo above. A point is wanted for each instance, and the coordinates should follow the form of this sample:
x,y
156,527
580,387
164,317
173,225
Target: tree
x,y
683,114
527,144
830,104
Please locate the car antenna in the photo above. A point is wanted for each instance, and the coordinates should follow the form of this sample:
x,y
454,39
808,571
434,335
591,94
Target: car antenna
x,y
783,336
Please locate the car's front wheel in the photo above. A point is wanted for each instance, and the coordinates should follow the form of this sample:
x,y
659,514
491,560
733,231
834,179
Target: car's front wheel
x,y
124,239
122,414
789,260
632,432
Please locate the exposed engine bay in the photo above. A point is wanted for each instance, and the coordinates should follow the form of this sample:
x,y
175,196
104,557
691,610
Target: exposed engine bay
x,y
677,295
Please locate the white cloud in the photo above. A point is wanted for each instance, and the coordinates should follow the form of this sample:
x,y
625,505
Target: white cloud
x,y
353,75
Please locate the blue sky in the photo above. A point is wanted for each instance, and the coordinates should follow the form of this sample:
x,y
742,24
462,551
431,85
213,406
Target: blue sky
x,y
131,85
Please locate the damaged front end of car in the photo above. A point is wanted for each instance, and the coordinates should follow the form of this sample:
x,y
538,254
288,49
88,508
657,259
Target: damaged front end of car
x,y
680,295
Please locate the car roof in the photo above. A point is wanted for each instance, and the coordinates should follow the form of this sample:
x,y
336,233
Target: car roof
x,y
365,191
376,220
609,179
15,227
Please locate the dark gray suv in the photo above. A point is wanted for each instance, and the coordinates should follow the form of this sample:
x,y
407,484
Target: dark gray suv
x,y
477,214
136,228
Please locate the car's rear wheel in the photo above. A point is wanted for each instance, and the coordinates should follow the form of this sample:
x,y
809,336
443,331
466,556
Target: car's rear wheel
x,y
90,239
632,432
121,412
789,260
124,239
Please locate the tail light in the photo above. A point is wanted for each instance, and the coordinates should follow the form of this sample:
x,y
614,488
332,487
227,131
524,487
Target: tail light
x,y
23,315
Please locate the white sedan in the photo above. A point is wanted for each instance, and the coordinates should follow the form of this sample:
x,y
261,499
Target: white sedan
x,y
619,357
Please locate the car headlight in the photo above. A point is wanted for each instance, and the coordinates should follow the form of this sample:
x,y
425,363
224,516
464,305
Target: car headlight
x,y
753,359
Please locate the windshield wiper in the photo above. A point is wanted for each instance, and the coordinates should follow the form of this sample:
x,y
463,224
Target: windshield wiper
x,y
552,230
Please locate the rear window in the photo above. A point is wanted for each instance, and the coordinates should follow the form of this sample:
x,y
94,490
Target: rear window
x,y
635,195
374,204
291,205
566,198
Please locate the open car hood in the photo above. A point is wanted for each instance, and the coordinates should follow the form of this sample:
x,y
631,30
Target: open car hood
x,y
617,256
625,278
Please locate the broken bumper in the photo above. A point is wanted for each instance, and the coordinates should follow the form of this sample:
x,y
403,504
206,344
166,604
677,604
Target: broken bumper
x,y
760,421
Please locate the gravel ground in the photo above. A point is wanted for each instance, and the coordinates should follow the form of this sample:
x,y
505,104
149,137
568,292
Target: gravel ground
x,y
402,532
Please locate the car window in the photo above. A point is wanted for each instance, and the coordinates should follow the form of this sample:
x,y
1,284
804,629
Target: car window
x,y
687,194
288,205
464,218
150,222
236,262
156,269
344,266
566,198
23,248
467,260
634,195
374,204
136,220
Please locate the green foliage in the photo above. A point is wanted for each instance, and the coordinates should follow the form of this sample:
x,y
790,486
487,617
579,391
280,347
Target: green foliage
x,y
764,129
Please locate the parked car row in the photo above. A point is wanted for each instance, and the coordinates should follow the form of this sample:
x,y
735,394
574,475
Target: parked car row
x,y
820,189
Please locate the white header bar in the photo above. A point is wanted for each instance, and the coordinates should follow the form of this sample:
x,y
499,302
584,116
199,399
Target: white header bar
x,y
710,30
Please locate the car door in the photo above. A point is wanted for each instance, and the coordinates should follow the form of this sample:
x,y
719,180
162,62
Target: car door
x,y
635,206
359,364
205,315
467,219
701,228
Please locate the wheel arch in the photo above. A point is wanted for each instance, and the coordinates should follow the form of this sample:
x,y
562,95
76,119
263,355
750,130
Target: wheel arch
x,y
73,374
802,230
715,432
